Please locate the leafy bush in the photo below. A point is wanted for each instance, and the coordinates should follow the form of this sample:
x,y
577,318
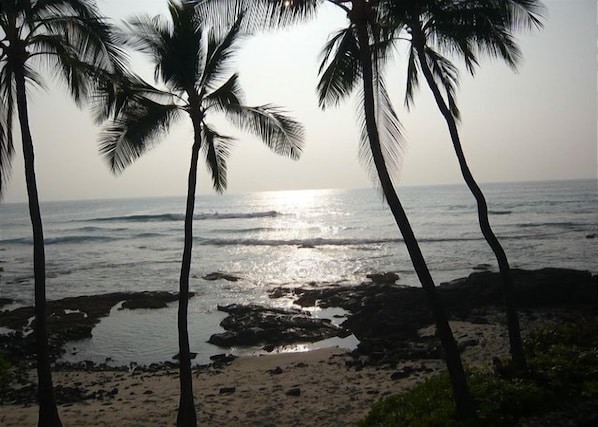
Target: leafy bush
x,y
563,366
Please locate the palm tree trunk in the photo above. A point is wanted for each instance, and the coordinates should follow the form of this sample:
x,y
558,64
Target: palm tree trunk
x,y
186,416
48,411
516,346
463,400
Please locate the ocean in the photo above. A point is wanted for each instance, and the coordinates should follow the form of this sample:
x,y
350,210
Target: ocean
x,y
270,239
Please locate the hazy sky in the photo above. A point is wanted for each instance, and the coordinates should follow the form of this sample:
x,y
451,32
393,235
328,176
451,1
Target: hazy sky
x,y
537,124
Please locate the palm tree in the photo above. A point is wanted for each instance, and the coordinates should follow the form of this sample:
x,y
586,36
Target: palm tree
x,y
347,59
69,38
191,61
465,28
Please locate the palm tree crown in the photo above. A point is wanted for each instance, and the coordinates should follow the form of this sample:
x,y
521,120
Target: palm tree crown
x,y
462,28
193,64
66,37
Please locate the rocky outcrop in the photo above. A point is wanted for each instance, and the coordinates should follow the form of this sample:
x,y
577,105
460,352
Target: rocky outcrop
x,y
221,276
386,318
383,278
250,325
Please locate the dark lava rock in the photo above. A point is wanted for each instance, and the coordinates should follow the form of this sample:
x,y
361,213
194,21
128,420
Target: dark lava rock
x,y
294,392
275,371
254,324
227,390
223,358
383,278
221,276
385,318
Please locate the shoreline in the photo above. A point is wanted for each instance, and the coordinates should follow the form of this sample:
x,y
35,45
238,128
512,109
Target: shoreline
x,y
323,387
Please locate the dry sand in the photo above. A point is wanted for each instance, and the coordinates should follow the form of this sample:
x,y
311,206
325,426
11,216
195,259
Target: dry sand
x,y
330,393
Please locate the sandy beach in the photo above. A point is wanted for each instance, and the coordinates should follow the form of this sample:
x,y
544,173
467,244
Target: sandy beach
x,y
314,388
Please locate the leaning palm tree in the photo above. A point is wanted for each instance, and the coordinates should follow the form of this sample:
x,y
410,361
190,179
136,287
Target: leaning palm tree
x,y
464,28
348,60
192,61
70,39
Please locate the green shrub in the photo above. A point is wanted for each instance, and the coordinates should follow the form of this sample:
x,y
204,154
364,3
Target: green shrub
x,y
499,402
563,367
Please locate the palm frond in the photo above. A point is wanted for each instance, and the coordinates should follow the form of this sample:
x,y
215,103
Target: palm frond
x,y
57,54
219,54
114,92
526,14
134,131
93,38
228,93
260,13
339,68
390,133
148,35
217,149
412,78
45,8
447,75
6,140
280,133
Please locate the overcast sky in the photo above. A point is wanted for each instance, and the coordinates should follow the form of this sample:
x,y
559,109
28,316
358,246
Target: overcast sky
x,y
537,124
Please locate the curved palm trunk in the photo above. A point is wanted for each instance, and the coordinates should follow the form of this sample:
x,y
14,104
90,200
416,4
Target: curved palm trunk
x,y
516,346
463,400
186,416
48,411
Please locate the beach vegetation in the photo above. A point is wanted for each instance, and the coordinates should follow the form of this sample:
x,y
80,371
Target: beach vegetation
x,y
462,29
72,41
192,56
563,371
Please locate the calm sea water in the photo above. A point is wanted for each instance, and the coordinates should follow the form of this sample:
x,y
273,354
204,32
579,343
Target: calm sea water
x,y
278,238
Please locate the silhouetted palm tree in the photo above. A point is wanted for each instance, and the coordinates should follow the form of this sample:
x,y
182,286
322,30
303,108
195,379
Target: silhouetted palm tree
x,y
464,28
70,39
348,60
191,59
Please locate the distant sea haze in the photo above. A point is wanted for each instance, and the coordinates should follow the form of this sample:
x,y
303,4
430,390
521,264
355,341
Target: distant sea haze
x,y
280,238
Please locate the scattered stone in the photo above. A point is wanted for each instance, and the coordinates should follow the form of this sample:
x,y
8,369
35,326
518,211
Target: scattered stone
x,y
403,373
294,392
227,390
223,358
275,371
